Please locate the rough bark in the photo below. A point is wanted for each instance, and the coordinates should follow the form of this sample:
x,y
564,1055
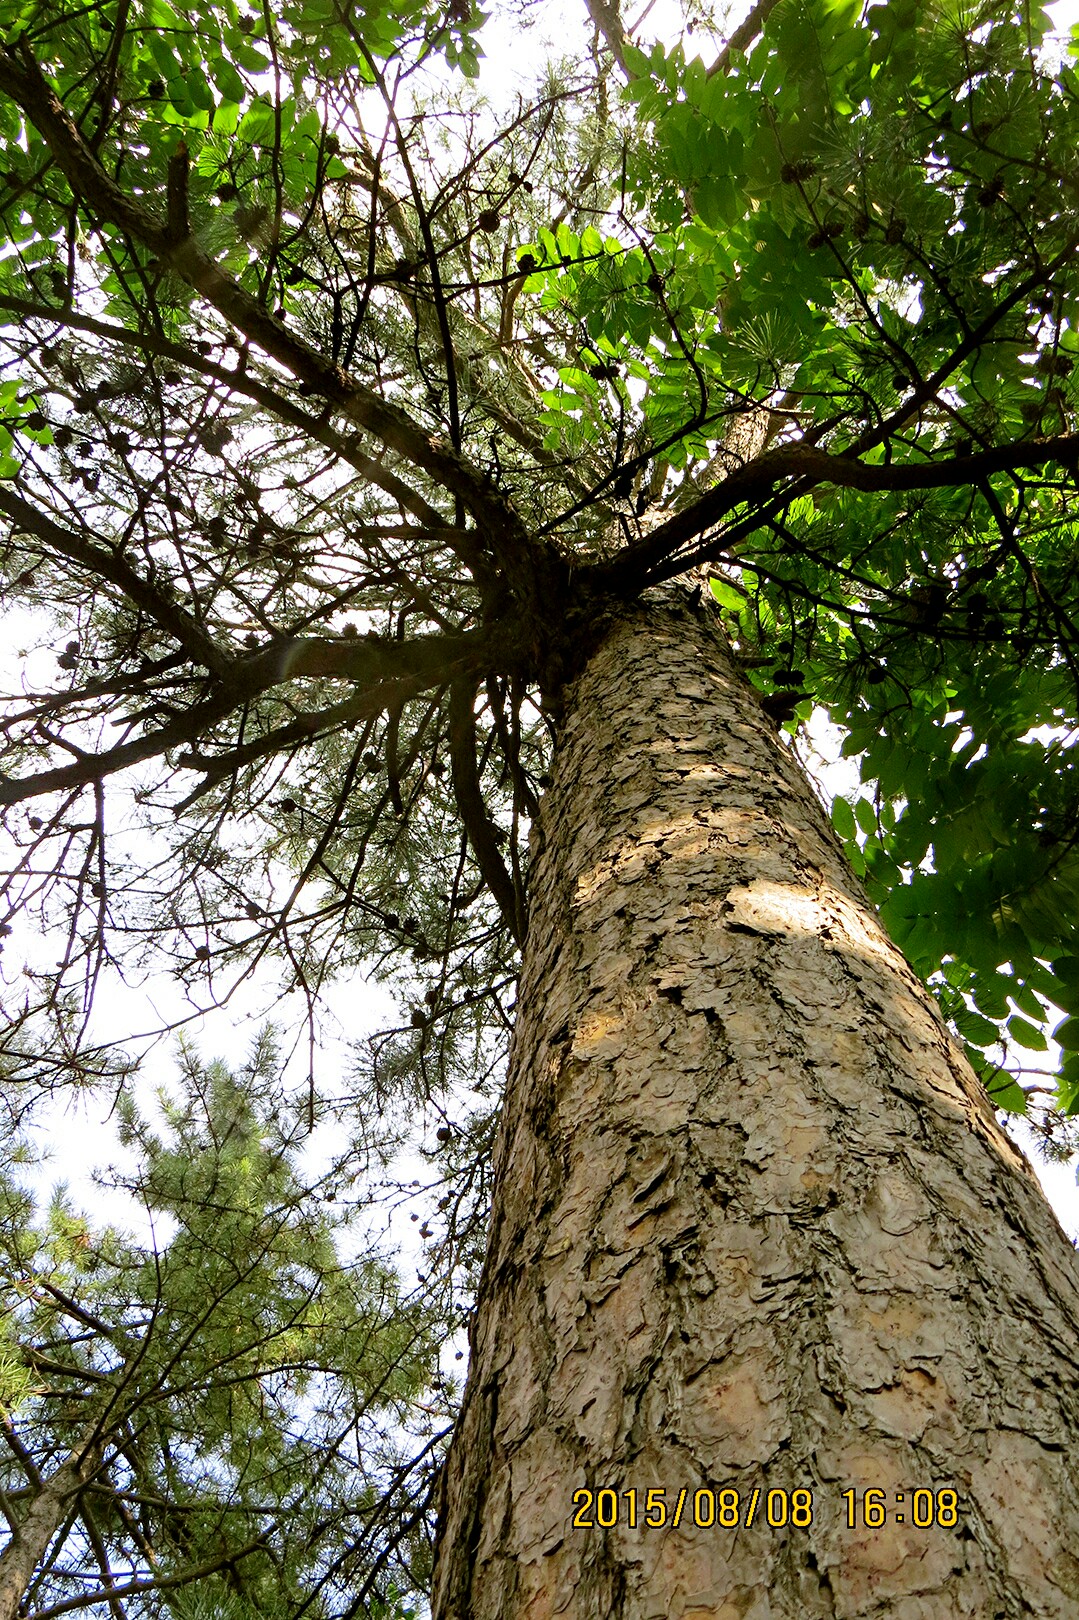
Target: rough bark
x,y
755,1222
49,1506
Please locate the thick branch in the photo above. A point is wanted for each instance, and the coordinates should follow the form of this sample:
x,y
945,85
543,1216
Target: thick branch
x,y
749,29
608,19
95,767
632,568
473,811
242,382
101,1554
390,696
379,665
21,79
102,563
46,1513
179,166
156,1583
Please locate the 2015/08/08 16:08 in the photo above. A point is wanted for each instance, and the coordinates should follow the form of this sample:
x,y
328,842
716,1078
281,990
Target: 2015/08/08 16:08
x,y
730,1509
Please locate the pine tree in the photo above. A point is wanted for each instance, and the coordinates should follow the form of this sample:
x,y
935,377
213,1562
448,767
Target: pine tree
x,y
442,520
208,1414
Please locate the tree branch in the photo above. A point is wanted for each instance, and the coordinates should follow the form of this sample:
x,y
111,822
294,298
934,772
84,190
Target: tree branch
x,y
35,1531
473,811
243,383
632,568
103,563
381,665
749,29
607,17
179,165
157,1583
22,80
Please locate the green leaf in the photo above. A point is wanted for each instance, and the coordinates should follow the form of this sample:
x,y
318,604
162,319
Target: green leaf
x,y
165,57
726,595
866,816
1066,1034
227,79
976,1029
1026,1034
843,819
1007,1094
257,124
1068,1085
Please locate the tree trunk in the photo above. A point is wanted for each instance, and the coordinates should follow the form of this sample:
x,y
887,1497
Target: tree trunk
x,y
49,1507
755,1224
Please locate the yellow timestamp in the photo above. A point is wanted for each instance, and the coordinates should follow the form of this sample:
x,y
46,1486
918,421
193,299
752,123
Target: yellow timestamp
x,y
705,1509
873,1509
606,1508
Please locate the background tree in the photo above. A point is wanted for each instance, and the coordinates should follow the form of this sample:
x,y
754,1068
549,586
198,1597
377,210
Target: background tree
x,y
348,422
210,1416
